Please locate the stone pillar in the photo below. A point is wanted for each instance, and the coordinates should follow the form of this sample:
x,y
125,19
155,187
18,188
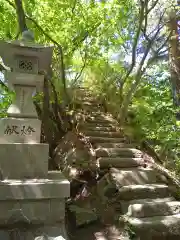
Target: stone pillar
x,y
32,200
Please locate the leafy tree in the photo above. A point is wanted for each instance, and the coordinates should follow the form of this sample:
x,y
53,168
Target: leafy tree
x,y
118,49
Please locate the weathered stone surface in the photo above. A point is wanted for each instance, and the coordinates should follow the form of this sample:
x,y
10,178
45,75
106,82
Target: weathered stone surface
x,y
153,226
101,120
32,212
22,105
25,79
143,191
72,151
94,139
57,210
135,176
4,235
34,189
20,130
84,214
96,128
95,123
118,162
55,175
21,161
103,134
10,51
150,209
126,204
114,145
114,152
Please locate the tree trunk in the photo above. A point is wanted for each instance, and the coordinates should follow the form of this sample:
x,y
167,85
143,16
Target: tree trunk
x,y
174,58
21,16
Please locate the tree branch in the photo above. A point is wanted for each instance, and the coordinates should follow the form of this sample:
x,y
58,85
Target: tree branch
x,y
135,44
82,68
153,6
140,72
76,41
3,85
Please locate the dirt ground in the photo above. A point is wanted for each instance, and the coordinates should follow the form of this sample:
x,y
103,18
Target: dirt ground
x,y
99,231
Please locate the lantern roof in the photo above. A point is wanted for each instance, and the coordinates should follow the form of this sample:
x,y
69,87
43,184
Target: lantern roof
x,y
9,50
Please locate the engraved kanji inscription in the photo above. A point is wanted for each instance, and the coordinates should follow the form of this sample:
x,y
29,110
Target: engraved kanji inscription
x,y
24,130
11,129
27,130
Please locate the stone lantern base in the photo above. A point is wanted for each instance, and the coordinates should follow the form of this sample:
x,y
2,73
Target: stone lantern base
x,y
32,200
33,209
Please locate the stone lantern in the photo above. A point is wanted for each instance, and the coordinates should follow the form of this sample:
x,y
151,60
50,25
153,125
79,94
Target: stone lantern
x,y
28,63
29,193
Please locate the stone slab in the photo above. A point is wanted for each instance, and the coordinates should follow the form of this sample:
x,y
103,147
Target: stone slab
x,y
125,204
55,175
44,211
34,189
143,191
22,130
96,128
103,134
23,161
25,79
114,145
114,152
118,162
151,209
94,139
135,176
159,225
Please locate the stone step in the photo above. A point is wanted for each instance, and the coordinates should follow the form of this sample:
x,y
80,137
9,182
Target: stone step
x,y
89,108
88,99
100,113
114,152
114,145
103,122
162,226
118,162
143,191
38,189
103,134
107,186
135,176
100,117
90,105
126,204
151,209
94,124
104,129
87,102
94,139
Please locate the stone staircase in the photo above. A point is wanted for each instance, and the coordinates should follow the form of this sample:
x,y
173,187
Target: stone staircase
x,y
144,197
